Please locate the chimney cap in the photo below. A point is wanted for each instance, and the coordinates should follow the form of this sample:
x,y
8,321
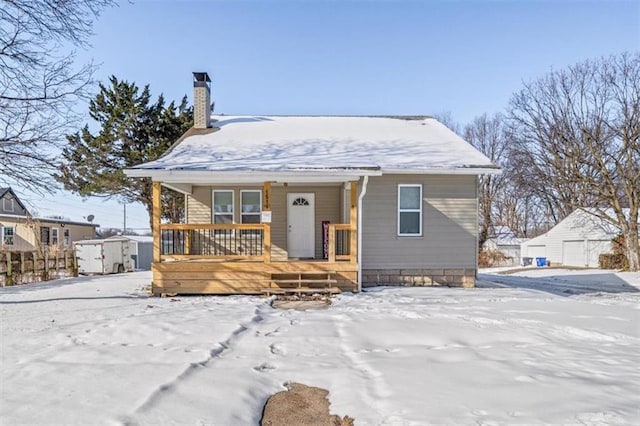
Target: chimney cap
x,y
201,76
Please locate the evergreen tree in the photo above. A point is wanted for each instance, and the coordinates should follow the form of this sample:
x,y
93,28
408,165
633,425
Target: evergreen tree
x,y
133,130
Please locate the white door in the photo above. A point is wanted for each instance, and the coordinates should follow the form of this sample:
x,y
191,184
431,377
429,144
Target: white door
x,y
300,220
573,253
594,249
89,258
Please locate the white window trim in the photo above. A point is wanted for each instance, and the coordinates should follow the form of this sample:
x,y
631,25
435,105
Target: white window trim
x,y
66,237
213,205
259,212
55,241
399,210
2,229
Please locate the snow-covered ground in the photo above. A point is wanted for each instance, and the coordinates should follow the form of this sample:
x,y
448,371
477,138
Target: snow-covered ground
x,y
542,347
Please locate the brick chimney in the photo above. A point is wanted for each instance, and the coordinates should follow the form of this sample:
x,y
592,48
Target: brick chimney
x,y
201,100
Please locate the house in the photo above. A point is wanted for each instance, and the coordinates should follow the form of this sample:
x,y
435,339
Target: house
x,y
140,250
504,241
20,231
577,240
293,200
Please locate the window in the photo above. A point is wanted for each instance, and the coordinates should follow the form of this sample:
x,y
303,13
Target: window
x,y
251,206
7,235
7,204
300,201
44,235
223,208
409,210
54,236
67,238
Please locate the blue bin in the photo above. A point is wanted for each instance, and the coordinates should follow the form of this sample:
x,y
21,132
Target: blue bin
x,y
541,261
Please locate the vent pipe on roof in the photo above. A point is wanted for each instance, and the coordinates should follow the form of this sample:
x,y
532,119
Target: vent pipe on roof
x,y
201,100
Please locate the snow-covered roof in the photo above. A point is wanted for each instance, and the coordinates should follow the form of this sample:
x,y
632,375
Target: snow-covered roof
x,y
583,223
46,220
317,144
502,235
136,238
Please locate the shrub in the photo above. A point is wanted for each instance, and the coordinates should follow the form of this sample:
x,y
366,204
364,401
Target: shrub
x,y
613,261
490,258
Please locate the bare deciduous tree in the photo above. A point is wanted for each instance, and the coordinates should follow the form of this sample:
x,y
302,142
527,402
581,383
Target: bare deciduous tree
x,y
576,139
39,83
488,135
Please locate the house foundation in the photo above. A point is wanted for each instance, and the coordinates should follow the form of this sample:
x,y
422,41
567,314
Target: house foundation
x,y
419,277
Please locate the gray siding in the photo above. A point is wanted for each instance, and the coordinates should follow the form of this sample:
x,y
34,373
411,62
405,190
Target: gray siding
x,y
449,223
8,201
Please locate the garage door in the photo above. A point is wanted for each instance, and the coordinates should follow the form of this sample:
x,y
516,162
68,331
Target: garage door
x,y
536,251
573,253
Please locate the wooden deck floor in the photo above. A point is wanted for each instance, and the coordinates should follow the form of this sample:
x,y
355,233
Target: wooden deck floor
x,y
243,277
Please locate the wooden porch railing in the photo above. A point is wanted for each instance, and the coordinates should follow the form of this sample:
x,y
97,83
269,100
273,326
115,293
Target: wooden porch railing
x,y
342,242
242,242
217,241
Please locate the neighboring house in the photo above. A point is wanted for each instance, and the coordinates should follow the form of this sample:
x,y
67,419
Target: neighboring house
x,y
577,240
20,231
140,249
504,241
280,200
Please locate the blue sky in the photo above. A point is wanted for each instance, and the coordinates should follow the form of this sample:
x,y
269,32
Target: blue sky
x,y
345,57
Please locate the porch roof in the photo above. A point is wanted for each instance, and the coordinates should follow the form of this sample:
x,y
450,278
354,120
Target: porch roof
x,y
305,147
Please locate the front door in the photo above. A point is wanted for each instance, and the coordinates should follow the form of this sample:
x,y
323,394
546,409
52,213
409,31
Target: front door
x,y
300,220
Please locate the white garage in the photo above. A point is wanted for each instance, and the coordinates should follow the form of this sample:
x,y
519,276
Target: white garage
x,y
578,240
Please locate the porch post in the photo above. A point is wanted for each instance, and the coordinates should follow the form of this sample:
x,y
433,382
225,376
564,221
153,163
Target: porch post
x,y
156,221
266,207
353,221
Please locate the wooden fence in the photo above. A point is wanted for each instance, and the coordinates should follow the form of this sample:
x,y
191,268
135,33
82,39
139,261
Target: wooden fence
x,y
21,267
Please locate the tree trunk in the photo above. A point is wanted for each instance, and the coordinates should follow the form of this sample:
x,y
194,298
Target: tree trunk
x,y
633,247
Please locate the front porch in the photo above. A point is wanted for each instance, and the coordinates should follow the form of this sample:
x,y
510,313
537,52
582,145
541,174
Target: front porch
x,y
243,258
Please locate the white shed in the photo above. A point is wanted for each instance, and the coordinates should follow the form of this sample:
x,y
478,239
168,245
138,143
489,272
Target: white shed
x,y
503,240
141,250
578,240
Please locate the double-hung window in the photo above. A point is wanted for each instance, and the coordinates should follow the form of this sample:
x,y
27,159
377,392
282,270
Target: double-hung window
x,y
250,208
44,235
251,202
223,208
7,235
67,237
54,236
409,210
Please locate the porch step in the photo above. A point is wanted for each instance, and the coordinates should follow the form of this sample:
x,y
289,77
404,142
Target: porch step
x,y
291,282
305,281
301,290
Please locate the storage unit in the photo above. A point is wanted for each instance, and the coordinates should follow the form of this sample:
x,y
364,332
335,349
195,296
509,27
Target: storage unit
x,y
140,249
103,256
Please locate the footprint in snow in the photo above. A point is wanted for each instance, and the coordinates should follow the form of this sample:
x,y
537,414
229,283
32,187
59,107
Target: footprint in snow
x,y
264,367
277,349
273,332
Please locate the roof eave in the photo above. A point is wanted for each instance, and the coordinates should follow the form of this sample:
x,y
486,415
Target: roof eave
x,y
216,176
472,170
